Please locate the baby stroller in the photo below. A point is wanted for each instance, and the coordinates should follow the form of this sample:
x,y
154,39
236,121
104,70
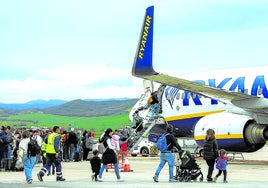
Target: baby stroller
x,y
187,168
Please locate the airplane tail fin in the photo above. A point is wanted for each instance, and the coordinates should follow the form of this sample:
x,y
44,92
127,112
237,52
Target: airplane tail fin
x,y
142,65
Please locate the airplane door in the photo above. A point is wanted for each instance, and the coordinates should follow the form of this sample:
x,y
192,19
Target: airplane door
x,y
148,86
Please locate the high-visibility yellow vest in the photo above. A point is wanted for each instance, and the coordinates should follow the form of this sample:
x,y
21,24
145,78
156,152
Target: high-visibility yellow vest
x,y
50,143
44,146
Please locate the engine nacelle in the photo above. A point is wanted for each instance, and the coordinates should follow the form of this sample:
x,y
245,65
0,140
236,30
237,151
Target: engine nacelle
x,y
233,132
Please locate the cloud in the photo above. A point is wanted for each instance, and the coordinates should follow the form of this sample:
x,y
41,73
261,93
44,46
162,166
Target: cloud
x,y
69,50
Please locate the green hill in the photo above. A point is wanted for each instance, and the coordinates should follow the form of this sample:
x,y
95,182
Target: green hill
x,y
92,108
40,120
80,114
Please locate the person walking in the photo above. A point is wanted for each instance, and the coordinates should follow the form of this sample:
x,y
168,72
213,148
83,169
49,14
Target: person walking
x,y
221,166
210,152
167,156
95,162
52,155
29,160
109,155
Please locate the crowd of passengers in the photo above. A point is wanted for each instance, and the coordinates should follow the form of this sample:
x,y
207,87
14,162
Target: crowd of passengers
x,y
71,142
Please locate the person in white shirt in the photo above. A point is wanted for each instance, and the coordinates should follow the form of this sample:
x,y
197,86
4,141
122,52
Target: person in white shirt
x,y
28,161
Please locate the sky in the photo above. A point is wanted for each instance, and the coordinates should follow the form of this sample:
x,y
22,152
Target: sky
x,y
84,49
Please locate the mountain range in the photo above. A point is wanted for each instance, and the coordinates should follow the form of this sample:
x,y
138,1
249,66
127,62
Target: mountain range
x,y
86,107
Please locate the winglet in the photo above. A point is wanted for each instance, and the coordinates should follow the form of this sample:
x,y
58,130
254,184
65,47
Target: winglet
x,y
142,65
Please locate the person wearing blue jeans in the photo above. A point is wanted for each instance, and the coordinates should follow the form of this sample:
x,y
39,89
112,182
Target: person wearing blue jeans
x,y
167,156
116,168
109,155
155,106
155,110
28,161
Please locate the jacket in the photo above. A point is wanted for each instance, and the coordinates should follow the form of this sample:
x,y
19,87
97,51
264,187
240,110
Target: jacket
x,y
109,155
171,142
4,141
221,163
210,149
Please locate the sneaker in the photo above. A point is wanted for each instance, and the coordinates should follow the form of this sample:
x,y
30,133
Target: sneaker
x,y
120,180
209,179
29,181
39,177
155,179
172,180
225,181
60,179
93,177
100,179
215,179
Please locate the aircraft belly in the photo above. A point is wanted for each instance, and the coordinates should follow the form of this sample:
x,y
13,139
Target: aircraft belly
x,y
184,127
234,144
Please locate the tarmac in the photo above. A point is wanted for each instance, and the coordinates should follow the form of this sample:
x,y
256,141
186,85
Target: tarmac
x,y
247,173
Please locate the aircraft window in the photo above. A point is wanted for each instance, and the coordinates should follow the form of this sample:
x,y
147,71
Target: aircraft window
x,y
178,108
194,95
183,96
178,96
259,91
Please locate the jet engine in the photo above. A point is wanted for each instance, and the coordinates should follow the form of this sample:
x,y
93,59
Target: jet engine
x,y
233,132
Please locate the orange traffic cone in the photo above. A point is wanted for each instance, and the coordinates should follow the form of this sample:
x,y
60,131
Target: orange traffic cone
x,y
126,167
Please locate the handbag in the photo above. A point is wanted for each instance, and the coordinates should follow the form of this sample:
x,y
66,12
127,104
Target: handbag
x,y
19,165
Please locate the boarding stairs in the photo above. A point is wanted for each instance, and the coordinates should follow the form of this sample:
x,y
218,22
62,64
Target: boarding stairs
x,y
137,136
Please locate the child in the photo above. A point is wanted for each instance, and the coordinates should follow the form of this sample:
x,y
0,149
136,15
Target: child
x,y
115,141
95,165
221,166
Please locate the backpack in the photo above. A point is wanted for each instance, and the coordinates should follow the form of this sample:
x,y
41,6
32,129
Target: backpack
x,y
33,148
162,143
101,146
65,137
102,136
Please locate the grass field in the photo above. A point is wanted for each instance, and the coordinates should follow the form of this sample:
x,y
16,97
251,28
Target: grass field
x,y
40,120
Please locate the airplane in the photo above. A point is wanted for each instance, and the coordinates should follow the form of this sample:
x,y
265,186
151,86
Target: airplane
x,y
234,103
